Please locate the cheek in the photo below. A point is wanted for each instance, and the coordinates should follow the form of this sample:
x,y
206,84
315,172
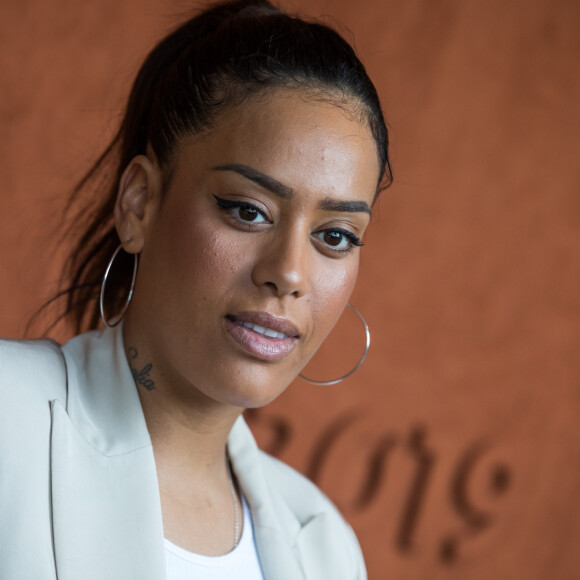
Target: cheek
x,y
195,263
200,275
332,287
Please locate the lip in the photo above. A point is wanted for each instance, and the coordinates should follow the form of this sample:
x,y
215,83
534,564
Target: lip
x,y
259,345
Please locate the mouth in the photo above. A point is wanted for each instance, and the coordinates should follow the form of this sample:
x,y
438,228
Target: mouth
x,y
262,335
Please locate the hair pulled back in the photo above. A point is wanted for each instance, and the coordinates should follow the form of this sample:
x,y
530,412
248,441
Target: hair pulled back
x,y
213,61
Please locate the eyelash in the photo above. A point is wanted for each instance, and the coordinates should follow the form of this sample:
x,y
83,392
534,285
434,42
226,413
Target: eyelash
x,y
354,241
227,206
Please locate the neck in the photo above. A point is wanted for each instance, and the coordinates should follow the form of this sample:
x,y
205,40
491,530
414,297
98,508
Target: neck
x,y
189,431
195,482
190,435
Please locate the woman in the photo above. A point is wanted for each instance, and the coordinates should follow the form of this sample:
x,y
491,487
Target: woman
x,y
251,152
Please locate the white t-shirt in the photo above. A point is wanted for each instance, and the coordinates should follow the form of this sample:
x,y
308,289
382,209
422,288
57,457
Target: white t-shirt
x,y
242,563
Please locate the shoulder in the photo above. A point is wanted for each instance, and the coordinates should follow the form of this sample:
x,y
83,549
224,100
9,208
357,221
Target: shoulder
x,y
18,351
31,369
21,359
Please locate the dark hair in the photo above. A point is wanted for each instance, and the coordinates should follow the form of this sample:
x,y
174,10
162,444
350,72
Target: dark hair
x,y
213,61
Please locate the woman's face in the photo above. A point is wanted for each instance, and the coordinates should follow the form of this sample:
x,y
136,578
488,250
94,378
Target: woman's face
x,y
250,255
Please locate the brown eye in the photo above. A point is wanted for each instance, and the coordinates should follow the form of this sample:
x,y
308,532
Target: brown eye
x,y
333,238
338,239
248,214
241,211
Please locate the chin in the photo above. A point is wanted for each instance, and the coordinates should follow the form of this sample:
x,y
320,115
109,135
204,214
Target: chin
x,y
256,390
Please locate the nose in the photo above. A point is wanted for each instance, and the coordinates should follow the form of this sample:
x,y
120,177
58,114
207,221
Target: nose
x,y
283,265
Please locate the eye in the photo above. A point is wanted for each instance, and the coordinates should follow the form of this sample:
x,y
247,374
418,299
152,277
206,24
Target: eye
x,y
248,213
242,211
338,240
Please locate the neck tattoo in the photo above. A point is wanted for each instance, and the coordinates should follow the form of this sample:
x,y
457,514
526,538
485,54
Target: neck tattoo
x,y
141,377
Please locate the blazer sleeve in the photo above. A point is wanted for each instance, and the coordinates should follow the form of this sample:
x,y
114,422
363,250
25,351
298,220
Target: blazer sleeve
x,y
32,373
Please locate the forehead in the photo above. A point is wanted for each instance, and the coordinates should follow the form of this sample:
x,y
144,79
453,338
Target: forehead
x,y
303,141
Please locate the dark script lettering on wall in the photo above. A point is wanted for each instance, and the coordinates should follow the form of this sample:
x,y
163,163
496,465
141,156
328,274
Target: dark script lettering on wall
x,y
468,469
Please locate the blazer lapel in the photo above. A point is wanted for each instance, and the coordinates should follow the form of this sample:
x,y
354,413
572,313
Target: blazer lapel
x,y
106,518
318,551
289,549
106,508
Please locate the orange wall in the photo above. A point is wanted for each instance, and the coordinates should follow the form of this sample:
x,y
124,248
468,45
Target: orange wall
x,y
454,450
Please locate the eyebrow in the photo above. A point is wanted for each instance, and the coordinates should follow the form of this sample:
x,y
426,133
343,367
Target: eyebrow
x,y
286,192
265,181
344,206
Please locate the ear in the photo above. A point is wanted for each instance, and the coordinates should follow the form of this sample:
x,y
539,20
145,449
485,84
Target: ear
x,y
138,202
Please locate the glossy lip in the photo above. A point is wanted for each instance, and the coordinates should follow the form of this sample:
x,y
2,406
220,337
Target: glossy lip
x,y
258,345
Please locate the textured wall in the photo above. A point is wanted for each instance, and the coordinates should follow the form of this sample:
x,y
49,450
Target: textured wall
x,y
454,450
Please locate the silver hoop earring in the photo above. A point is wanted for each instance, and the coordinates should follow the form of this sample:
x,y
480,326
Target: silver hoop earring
x,y
119,317
358,364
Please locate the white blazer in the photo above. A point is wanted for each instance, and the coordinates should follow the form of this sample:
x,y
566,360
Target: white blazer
x,y
79,498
